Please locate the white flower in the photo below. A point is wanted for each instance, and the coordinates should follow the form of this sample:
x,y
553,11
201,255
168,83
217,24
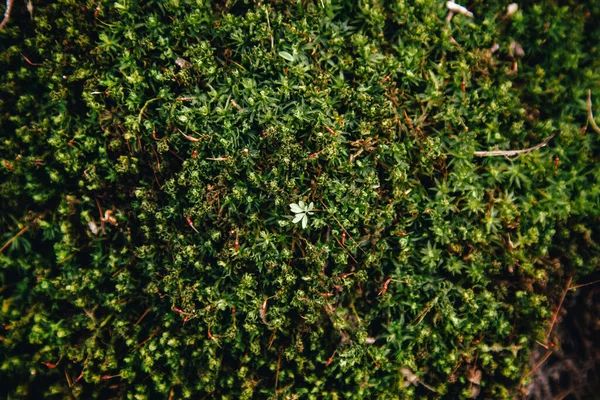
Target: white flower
x,y
302,212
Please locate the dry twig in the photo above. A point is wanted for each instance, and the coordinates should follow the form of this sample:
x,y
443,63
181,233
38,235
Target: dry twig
x,y
188,137
270,30
22,231
590,114
510,153
553,321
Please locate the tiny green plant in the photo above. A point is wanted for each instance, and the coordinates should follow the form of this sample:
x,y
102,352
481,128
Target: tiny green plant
x,y
302,211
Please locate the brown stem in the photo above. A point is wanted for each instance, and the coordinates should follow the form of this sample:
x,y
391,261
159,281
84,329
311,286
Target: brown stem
x,y
555,315
9,4
22,231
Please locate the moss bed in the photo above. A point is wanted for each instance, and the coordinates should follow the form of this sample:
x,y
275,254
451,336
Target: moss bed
x,y
286,199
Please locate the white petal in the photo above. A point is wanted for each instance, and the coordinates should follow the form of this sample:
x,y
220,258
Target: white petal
x,y
298,218
296,208
304,221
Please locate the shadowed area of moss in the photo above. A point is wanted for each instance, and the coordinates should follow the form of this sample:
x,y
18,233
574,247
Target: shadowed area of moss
x,y
160,160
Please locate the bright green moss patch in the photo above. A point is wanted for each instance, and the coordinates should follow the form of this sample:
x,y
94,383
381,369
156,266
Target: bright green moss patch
x,y
151,151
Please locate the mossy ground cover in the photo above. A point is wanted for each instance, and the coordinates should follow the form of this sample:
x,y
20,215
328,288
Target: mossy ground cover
x,y
283,199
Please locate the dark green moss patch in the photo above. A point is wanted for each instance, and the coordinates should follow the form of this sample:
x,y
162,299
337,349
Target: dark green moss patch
x,y
151,151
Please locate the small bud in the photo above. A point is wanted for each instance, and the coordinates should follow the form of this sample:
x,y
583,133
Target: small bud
x,y
511,9
93,227
494,48
183,63
510,243
516,49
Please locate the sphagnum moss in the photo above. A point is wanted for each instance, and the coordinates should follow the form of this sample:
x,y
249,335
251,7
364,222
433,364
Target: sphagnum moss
x,y
151,151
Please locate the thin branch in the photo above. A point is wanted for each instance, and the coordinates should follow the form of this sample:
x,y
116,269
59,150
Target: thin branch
x,y
188,137
539,364
9,4
22,231
590,114
67,258
555,316
137,346
583,285
101,214
345,249
34,64
142,317
509,153
277,374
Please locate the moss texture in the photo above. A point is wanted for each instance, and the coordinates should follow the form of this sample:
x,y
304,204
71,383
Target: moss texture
x,y
282,199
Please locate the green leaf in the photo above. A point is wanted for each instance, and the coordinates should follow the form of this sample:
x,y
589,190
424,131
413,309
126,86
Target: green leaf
x,y
286,56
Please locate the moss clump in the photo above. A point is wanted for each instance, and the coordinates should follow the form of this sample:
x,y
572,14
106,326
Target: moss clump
x,y
155,156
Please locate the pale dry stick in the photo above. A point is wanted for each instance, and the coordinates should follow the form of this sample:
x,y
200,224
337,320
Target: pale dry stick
x,y
217,158
270,30
30,9
426,386
543,345
9,4
510,153
591,119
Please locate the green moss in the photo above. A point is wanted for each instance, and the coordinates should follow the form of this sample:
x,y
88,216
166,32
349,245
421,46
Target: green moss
x,y
153,154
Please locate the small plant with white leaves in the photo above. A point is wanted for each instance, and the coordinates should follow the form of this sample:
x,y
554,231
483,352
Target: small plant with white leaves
x,y
302,211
